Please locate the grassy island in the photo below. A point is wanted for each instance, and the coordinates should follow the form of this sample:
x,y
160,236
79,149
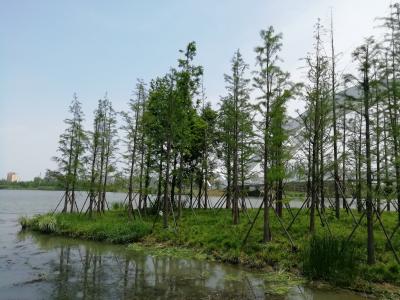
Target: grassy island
x,y
210,234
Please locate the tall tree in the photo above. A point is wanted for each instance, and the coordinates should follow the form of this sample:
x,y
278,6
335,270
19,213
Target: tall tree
x,y
317,64
94,146
365,55
392,66
71,149
133,122
335,130
275,89
238,93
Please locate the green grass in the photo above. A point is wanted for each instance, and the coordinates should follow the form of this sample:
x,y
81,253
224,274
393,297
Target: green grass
x,y
212,235
331,259
113,226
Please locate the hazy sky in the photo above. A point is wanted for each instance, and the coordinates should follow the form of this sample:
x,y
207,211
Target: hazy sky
x,y
51,49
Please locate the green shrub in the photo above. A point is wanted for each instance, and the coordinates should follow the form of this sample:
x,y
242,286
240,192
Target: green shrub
x,y
330,258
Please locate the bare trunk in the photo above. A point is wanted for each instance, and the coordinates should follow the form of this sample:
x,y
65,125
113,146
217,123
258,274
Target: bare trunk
x,y
166,184
369,204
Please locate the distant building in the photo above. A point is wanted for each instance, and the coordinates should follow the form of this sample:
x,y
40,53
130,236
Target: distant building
x,y
12,177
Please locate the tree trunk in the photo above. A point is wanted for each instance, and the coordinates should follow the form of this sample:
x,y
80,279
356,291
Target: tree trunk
x,y
228,179
335,134
279,198
147,177
173,183
160,174
369,204
199,192
359,158
344,158
166,184
266,230
191,190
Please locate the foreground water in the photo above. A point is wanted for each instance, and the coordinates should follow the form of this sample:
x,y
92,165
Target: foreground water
x,y
34,266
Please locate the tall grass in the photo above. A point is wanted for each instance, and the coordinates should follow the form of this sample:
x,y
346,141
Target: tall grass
x,y
114,226
47,224
331,259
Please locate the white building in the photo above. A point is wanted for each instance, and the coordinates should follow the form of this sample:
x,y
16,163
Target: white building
x,y
12,177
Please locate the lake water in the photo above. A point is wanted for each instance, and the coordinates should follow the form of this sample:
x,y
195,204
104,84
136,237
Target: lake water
x,y
35,266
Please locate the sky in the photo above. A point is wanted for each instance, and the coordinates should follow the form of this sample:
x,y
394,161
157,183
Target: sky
x,y
51,49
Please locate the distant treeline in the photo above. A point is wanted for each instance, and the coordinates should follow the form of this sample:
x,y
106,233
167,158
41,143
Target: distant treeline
x,y
51,183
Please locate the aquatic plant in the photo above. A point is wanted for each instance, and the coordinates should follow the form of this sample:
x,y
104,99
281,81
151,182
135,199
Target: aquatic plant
x,y
331,259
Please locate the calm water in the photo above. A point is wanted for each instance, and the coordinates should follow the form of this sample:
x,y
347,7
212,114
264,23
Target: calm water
x,y
34,266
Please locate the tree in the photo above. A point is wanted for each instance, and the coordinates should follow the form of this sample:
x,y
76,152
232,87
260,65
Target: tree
x,y
278,137
102,148
133,120
209,117
159,129
71,149
270,81
316,92
238,94
188,78
392,23
365,55
335,129
167,119
93,147
225,148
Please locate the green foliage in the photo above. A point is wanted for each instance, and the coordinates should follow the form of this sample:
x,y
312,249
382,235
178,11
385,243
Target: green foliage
x,y
331,259
71,147
47,224
381,272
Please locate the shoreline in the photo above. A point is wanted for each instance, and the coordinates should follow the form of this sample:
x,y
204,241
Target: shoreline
x,y
137,236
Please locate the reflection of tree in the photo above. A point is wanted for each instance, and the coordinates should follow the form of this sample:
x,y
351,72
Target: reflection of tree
x,y
126,274
63,274
85,273
89,270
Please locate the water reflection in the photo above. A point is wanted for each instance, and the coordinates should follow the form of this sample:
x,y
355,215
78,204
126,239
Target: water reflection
x,y
89,270
34,266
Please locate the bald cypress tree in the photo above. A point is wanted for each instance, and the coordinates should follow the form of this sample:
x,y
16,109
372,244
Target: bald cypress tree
x,y
109,143
133,121
71,149
334,125
238,94
365,55
225,148
271,82
93,158
316,92
392,67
